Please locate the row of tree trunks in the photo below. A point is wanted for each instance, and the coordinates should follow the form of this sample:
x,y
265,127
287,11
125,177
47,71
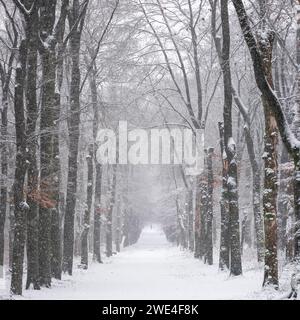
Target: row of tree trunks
x,y
5,83
256,178
269,98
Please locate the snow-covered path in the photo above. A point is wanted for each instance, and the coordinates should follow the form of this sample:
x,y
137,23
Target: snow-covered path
x,y
151,269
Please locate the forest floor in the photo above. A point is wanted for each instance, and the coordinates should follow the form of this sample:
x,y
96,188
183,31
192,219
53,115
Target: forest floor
x,y
154,269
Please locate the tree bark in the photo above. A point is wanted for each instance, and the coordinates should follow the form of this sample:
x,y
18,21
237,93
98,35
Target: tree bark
x,y
109,217
32,23
118,225
47,124
256,196
209,215
203,215
73,126
230,149
21,206
296,130
87,213
224,237
57,212
190,208
98,169
97,214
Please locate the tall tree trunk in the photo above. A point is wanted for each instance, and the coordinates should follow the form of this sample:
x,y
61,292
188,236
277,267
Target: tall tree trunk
x,y
57,212
190,208
21,206
230,149
11,230
97,214
33,174
6,80
256,196
209,215
197,221
270,198
3,191
126,242
270,158
118,225
87,213
296,127
4,171
109,218
47,125
203,213
224,237
98,169
73,126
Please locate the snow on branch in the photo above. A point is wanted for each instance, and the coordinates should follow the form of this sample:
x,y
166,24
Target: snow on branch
x,y
23,9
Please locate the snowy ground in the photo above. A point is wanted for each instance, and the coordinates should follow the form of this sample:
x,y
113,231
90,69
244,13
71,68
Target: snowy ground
x,y
154,269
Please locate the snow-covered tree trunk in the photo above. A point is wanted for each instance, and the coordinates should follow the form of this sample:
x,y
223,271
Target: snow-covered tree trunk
x,y
265,40
118,224
203,214
32,185
109,217
230,149
296,130
197,221
5,84
21,207
47,124
270,198
224,236
190,219
209,215
74,16
256,195
57,212
97,213
87,212
98,168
